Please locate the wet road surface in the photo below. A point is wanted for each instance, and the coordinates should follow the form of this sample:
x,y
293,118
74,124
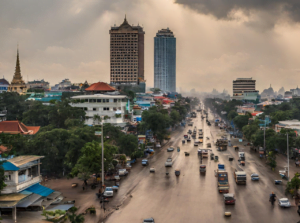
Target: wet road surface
x,y
192,197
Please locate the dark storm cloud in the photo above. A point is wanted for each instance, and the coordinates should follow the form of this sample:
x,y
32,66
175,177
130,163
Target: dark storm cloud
x,y
222,9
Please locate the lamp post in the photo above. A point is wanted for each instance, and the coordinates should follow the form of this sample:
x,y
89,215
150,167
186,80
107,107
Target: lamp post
x,y
288,154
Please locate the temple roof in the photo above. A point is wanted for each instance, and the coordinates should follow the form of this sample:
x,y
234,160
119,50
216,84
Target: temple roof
x,y
17,79
17,127
100,86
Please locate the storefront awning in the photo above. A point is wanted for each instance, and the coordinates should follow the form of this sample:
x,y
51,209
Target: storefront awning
x,y
63,207
40,190
28,200
10,200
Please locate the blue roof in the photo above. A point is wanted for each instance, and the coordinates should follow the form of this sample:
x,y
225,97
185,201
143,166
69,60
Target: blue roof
x,y
9,166
39,189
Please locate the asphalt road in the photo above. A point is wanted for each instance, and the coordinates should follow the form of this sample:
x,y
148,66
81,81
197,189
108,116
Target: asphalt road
x,y
192,197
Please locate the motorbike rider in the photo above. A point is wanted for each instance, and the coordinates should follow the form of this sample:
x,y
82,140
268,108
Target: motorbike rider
x,y
272,198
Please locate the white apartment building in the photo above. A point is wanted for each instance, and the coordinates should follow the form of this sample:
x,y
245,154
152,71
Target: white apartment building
x,y
113,107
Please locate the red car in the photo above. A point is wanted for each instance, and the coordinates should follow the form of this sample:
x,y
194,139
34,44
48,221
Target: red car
x,y
229,199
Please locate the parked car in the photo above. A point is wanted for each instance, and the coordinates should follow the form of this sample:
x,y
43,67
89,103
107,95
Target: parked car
x,y
108,192
284,202
169,162
123,172
170,149
58,200
254,176
158,145
147,220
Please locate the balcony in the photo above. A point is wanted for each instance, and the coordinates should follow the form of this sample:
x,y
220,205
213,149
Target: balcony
x,y
12,187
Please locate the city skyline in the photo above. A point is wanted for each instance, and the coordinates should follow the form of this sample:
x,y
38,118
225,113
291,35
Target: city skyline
x,y
70,40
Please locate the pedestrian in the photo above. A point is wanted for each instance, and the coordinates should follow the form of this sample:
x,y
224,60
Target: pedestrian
x,y
298,211
83,187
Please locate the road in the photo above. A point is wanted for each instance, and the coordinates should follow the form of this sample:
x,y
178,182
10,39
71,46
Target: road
x,y
192,197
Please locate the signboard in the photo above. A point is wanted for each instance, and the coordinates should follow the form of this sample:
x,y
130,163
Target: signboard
x,y
240,140
98,133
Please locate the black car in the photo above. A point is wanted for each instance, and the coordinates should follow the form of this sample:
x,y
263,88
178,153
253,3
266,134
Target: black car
x,y
148,220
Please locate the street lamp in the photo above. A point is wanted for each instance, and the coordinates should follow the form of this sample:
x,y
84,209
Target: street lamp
x,y
288,154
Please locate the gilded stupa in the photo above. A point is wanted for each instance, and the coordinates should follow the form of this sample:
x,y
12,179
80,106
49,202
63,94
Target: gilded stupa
x,y
17,84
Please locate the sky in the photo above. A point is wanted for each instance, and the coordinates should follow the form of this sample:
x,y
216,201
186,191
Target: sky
x,y
217,40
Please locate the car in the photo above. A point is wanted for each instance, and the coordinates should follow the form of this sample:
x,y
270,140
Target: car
x,y
152,170
284,202
169,162
158,145
254,176
145,162
170,149
123,172
177,173
195,144
147,220
108,192
229,199
57,200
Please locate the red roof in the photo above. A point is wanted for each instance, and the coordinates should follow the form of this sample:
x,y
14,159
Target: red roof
x,y
100,86
17,127
255,113
167,101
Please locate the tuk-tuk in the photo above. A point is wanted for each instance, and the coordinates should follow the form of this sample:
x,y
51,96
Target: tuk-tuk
x,y
178,149
216,158
236,148
183,141
212,156
229,199
202,169
177,173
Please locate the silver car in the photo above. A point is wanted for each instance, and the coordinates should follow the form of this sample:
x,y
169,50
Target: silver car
x,y
284,202
170,149
169,162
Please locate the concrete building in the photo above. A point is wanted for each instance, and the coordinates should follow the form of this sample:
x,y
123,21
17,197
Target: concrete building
x,y
126,53
289,124
165,60
23,189
17,84
3,85
63,85
38,84
112,107
244,89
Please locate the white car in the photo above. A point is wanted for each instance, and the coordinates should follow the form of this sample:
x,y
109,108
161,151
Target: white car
x,y
152,170
170,149
284,202
108,192
169,162
58,200
123,172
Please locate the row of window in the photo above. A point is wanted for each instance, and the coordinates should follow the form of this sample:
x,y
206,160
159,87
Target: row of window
x,y
122,66
123,79
92,100
103,109
123,35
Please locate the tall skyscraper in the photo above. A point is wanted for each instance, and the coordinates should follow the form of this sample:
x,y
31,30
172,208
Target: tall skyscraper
x,y
165,60
126,54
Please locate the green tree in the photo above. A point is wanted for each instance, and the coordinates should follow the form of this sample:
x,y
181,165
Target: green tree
x,y
272,159
96,119
37,114
128,144
249,130
293,185
175,117
240,121
232,114
73,217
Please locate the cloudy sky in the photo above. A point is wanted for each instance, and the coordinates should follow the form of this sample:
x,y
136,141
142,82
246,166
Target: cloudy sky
x,y
217,40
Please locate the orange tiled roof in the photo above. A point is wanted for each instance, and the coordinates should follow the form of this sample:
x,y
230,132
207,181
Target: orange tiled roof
x,y
100,86
17,127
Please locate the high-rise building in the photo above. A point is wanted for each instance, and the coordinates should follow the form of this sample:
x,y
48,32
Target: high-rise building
x,y
17,84
165,60
244,89
126,54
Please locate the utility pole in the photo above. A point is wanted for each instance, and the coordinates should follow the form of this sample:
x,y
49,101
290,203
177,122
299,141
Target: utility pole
x,y
288,154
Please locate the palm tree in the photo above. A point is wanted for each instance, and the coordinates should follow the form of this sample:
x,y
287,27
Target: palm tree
x,y
73,217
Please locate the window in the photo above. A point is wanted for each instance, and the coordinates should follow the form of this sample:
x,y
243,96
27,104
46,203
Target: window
x,y
107,100
94,109
106,108
115,109
85,109
115,100
93,100
98,100
86,100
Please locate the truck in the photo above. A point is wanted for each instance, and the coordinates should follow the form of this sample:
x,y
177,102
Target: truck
x,y
242,156
240,177
223,183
